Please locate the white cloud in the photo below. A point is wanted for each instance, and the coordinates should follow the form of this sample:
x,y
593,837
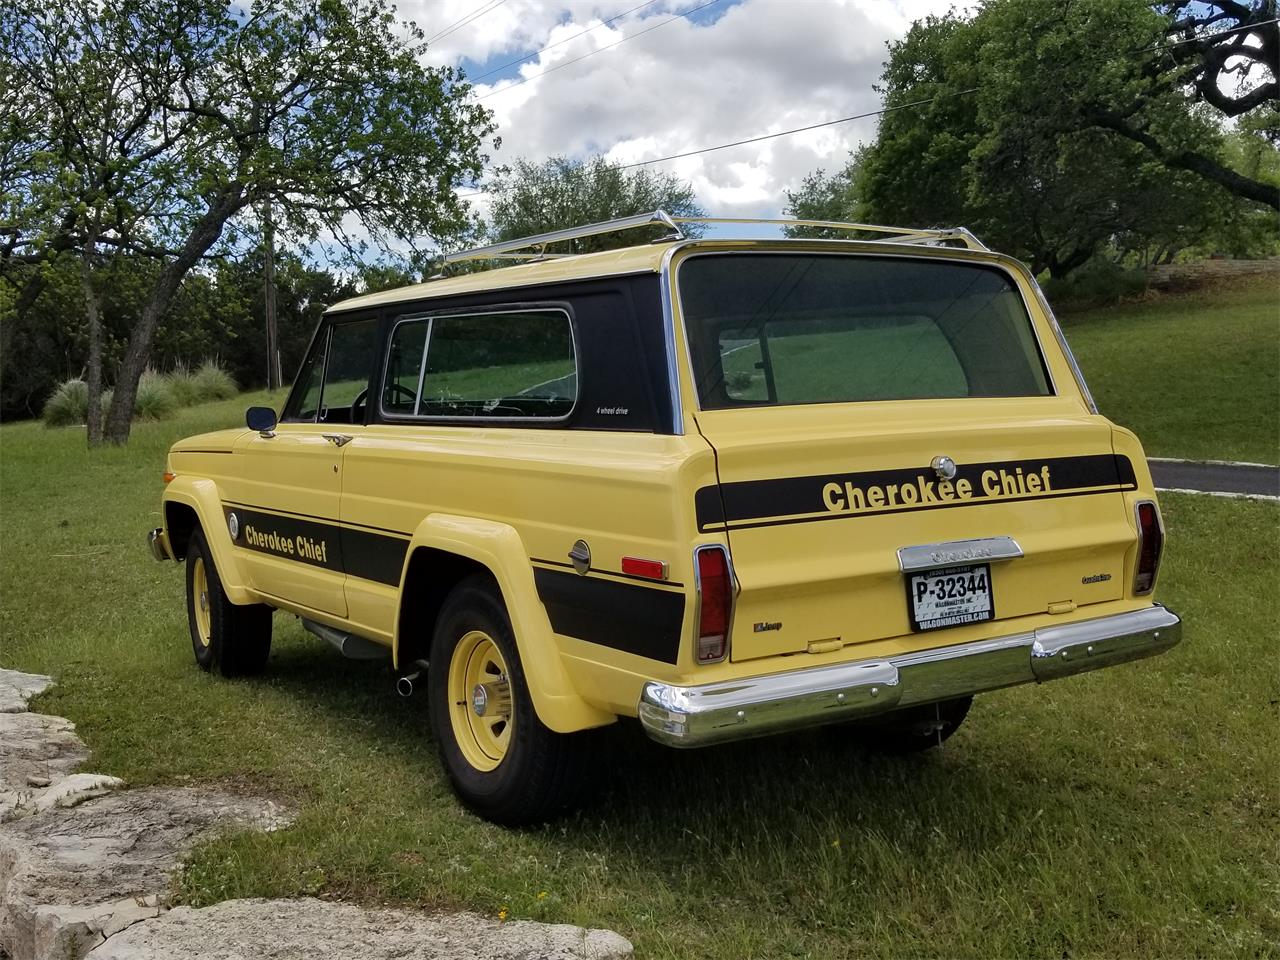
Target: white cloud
x,y
762,67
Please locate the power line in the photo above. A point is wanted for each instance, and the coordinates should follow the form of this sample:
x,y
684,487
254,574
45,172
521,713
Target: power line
x,y
812,126
469,18
780,133
558,43
1242,28
631,36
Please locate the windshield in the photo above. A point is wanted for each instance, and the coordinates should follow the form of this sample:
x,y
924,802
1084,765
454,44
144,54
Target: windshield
x,y
773,328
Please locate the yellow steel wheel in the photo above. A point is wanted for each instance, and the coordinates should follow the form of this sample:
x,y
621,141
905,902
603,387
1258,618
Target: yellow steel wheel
x,y
480,710
200,589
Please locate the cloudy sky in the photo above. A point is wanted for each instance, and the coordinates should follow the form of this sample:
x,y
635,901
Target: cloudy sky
x,y
727,70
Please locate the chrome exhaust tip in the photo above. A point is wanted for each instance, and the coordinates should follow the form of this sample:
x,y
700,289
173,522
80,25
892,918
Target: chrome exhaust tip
x,y
404,686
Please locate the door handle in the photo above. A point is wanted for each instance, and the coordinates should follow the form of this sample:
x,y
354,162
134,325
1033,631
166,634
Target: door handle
x,y
338,439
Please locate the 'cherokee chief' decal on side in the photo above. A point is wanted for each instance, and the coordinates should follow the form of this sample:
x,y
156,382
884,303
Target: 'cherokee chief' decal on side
x,y
757,503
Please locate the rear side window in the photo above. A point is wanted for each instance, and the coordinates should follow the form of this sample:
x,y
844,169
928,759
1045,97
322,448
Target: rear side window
x,y
805,328
518,364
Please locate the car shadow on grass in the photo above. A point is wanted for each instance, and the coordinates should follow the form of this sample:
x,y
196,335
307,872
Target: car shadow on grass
x,y
731,795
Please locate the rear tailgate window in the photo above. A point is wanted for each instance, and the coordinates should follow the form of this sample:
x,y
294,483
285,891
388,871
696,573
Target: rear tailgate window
x,y
798,329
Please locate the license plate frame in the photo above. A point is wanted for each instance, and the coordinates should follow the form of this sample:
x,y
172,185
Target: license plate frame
x,y
962,611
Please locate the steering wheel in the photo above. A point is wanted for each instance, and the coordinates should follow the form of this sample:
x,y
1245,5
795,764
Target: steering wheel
x,y
400,390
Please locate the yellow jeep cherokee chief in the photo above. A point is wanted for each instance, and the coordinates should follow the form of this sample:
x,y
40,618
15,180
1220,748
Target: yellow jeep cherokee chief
x,y
728,487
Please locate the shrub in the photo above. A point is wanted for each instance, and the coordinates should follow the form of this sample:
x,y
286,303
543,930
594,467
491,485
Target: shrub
x,y
184,386
213,383
155,399
68,405
1098,283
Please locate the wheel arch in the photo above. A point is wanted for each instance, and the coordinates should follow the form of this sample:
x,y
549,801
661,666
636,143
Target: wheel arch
x,y
446,549
193,501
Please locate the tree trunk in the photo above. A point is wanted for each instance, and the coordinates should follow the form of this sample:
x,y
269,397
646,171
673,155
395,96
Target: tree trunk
x,y
93,409
269,297
203,236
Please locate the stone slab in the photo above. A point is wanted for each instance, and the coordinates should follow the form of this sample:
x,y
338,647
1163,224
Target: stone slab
x,y
16,688
311,929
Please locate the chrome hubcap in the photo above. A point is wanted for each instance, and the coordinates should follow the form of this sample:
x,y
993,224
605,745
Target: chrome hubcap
x,y
491,699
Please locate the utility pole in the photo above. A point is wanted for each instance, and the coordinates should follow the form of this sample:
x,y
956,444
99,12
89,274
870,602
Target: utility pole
x,y
274,376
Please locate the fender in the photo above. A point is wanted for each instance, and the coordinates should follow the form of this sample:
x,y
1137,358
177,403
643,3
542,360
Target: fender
x,y
202,496
498,547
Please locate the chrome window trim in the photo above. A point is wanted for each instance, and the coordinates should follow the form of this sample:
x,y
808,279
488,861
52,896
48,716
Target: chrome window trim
x,y
422,366
1137,522
1008,265
1061,337
669,342
485,311
697,605
933,556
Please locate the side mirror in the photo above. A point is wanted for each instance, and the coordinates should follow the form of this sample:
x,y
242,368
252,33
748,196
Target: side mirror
x,y
262,419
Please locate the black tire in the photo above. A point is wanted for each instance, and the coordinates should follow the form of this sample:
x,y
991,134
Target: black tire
x,y
237,639
541,773
913,729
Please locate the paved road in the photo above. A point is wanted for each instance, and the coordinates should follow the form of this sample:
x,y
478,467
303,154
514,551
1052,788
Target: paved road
x,y
1244,479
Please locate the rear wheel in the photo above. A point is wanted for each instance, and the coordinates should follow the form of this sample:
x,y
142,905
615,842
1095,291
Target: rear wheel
x,y
503,762
234,639
913,729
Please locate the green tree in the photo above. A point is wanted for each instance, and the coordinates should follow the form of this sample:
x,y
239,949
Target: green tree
x,y
531,198
1016,136
200,113
824,196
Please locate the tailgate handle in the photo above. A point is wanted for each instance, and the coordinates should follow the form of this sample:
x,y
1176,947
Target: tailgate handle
x,y
931,556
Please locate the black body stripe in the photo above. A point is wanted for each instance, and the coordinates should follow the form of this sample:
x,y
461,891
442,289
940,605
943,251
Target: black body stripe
x,y
639,620
373,556
758,503
312,516
611,573
321,543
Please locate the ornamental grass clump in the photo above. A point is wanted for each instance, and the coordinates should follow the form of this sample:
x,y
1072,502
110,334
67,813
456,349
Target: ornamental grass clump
x,y
183,386
155,398
213,383
68,406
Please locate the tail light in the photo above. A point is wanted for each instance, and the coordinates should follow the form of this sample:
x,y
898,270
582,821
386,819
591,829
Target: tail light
x,y
715,602
1150,546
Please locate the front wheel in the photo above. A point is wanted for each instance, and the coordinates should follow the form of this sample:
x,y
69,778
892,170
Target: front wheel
x,y
234,639
503,762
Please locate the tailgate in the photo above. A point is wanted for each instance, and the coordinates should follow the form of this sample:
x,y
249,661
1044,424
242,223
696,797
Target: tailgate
x,y
821,522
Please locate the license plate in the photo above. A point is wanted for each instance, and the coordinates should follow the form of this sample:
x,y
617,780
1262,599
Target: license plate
x,y
950,597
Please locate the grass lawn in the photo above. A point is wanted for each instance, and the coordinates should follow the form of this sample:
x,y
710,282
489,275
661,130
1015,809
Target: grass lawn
x,y
1132,812
1194,375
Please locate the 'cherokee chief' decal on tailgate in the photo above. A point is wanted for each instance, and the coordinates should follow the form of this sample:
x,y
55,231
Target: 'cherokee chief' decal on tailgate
x,y
762,503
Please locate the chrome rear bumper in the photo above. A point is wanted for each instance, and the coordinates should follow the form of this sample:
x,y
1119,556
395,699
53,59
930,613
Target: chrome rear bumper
x,y
735,709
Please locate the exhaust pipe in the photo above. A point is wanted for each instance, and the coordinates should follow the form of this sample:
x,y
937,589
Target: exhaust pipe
x,y
404,686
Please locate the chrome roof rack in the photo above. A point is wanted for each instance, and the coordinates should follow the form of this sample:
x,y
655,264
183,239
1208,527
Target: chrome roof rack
x,y
507,249
892,234
534,248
